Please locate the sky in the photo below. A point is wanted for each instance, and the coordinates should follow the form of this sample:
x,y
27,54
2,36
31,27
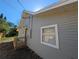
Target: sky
x,y
13,9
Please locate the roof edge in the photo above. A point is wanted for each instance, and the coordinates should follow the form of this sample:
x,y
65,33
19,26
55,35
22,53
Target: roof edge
x,y
55,6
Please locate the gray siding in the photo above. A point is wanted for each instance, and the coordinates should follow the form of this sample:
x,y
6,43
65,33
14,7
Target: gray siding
x,y
67,35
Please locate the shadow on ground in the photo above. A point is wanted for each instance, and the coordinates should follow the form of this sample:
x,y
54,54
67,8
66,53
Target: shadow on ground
x,y
8,52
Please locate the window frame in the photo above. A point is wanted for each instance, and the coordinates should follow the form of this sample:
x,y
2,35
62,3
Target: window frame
x,y
56,32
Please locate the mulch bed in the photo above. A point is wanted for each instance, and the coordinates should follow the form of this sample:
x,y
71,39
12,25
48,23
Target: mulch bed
x,y
8,52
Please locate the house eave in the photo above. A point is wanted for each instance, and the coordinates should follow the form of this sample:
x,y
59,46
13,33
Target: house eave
x,y
55,6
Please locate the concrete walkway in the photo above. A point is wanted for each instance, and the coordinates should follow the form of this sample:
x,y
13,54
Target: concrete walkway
x,y
8,52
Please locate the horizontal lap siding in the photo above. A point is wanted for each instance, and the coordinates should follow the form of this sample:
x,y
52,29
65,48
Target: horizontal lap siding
x,y
67,35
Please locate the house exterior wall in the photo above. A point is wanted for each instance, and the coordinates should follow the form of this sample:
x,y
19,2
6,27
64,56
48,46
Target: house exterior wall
x,y
22,24
66,19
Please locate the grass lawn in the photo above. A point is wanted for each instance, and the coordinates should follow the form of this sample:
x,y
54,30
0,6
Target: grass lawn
x,y
6,39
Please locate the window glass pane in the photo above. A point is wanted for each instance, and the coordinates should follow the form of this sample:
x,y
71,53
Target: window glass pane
x,y
49,35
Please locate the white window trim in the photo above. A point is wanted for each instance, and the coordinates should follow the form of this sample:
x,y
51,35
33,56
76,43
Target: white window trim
x,y
56,31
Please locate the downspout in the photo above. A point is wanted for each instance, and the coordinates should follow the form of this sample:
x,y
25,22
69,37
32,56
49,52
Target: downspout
x,y
30,24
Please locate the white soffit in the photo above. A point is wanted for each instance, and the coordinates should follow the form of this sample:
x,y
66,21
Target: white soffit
x,y
61,3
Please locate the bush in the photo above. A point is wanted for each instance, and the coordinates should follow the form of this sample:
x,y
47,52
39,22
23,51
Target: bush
x,y
12,33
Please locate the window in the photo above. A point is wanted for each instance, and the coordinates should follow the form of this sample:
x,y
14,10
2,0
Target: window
x,y
49,36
